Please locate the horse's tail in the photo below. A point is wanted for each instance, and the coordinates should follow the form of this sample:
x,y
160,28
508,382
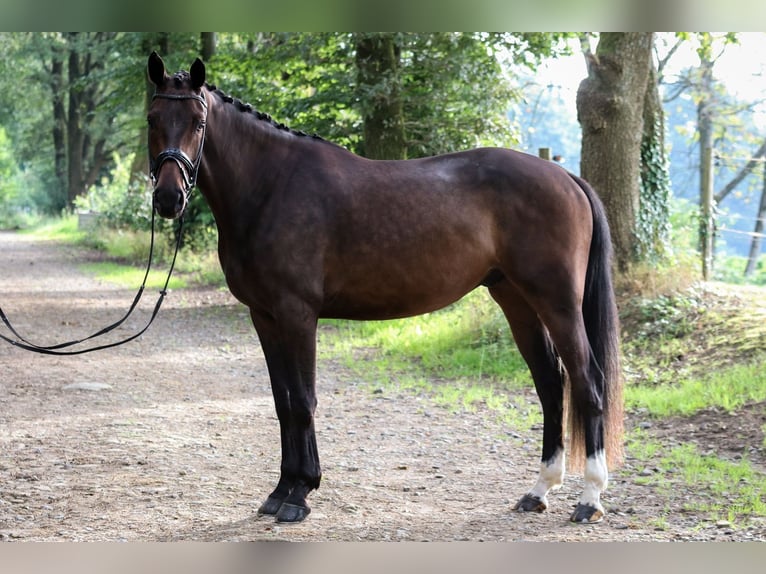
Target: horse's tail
x,y
602,327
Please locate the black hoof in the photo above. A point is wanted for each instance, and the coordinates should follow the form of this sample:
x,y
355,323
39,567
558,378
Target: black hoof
x,y
292,513
271,506
529,503
587,514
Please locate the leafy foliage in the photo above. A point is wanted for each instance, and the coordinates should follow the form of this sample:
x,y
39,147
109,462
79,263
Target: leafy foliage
x,y
653,218
455,95
455,90
119,202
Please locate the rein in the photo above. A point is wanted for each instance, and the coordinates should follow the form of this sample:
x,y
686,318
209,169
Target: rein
x,y
189,170
23,343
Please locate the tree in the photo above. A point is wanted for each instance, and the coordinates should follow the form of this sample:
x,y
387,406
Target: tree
x,y
379,82
755,245
718,118
452,88
653,219
78,106
610,109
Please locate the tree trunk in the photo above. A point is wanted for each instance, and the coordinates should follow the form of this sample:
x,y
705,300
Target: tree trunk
x,y
653,226
610,105
139,170
377,61
209,44
59,127
705,130
75,137
755,244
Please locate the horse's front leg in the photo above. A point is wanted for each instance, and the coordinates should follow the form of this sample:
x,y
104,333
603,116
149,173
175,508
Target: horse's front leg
x,y
289,345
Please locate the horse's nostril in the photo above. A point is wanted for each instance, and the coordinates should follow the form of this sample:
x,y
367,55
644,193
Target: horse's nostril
x,y
169,202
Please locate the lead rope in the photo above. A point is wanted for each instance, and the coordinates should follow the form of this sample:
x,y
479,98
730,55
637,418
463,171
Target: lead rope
x,y
23,343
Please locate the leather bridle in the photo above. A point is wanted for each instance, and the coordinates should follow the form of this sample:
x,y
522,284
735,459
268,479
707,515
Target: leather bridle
x,y
189,168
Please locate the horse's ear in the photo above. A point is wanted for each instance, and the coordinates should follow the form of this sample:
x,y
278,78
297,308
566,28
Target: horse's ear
x,y
197,74
156,69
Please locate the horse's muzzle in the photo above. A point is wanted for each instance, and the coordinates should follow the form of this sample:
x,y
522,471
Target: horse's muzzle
x,y
169,202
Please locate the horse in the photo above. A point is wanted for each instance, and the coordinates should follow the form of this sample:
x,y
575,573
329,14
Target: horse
x,y
309,230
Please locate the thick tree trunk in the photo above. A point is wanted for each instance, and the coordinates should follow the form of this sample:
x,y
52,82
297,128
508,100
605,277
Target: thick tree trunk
x,y
377,60
610,107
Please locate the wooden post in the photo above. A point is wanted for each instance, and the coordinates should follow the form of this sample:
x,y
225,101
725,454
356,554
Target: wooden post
x,y
706,212
544,153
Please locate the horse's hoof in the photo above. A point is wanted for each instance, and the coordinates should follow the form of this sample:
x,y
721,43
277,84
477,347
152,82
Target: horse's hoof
x,y
292,513
587,514
270,507
529,503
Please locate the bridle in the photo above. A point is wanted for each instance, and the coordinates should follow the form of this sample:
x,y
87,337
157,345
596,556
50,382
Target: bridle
x,y
189,169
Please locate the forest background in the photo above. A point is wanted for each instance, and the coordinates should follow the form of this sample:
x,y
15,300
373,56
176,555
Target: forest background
x,y
72,133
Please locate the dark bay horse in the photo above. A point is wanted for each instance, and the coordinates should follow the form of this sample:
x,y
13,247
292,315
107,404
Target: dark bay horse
x,y
307,229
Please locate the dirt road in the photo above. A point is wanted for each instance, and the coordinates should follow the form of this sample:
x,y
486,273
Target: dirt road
x,y
174,437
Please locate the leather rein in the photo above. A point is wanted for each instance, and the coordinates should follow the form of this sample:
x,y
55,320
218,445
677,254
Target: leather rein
x,y
189,170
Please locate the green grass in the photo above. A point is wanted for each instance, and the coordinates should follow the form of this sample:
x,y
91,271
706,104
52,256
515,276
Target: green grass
x,y
463,357
128,276
724,490
62,229
128,251
727,389
469,339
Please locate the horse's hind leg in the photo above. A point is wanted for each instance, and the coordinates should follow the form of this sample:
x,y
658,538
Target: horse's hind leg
x,y
566,328
533,343
289,345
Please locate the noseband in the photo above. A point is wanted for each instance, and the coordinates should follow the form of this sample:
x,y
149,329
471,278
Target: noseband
x,y
189,168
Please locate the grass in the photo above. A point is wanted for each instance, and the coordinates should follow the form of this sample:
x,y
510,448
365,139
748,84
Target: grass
x,y
62,229
128,276
127,252
724,490
685,351
462,356
470,339
727,389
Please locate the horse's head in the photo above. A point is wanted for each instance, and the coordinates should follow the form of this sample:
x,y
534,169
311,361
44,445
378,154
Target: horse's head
x,y
176,120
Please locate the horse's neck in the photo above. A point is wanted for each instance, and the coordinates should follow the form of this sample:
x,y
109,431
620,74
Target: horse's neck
x,y
241,152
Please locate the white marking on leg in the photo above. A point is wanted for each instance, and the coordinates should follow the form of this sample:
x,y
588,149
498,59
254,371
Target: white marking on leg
x,y
551,476
596,479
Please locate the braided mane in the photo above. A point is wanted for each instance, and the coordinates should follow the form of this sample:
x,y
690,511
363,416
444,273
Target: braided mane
x,y
249,109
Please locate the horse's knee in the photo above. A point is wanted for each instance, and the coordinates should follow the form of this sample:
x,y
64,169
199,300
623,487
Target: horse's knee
x,y
302,413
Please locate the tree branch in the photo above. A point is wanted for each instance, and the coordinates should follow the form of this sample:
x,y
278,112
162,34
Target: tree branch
x,y
742,174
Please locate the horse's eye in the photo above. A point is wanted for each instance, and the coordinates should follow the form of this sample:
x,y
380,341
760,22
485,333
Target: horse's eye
x,y
200,126
150,122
